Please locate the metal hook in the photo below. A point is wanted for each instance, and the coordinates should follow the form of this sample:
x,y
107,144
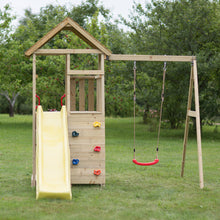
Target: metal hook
x,y
135,67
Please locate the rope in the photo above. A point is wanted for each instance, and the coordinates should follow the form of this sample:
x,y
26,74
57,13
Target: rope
x,y
161,107
134,100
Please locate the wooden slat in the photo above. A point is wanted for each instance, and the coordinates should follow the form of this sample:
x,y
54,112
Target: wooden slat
x,y
66,51
85,112
85,77
72,94
88,179
91,91
88,155
67,101
192,113
88,164
81,95
126,57
87,132
86,171
86,148
86,140
85,72
88,118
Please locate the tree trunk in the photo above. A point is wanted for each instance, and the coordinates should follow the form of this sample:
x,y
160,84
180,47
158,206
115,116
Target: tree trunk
x,y
11,110
11,102
145,118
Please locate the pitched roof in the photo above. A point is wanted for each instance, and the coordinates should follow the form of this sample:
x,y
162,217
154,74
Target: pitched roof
x,y
69,24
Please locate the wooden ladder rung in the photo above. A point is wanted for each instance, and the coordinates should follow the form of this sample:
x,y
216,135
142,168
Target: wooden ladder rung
x,y
192,113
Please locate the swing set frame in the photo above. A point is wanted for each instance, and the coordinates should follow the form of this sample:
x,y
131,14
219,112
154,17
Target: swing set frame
x,y
193,85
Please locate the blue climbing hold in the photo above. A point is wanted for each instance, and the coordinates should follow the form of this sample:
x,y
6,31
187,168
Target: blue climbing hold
x,y
75,134
75,161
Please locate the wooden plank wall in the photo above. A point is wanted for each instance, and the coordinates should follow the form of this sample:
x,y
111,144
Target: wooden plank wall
x,y
82,148
83,88
85,100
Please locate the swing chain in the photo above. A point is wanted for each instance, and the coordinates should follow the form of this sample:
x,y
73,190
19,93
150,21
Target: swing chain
x,y
161,108
134,68
164,71
165,66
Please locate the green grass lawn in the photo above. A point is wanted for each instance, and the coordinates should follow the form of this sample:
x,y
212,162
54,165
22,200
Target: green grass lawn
x,y
131,192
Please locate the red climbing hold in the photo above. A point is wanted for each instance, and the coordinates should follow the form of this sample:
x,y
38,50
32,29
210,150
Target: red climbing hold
x,y
97,148
97,172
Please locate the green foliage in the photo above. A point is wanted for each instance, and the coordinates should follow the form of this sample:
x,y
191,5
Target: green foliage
x,y
5,24
181,28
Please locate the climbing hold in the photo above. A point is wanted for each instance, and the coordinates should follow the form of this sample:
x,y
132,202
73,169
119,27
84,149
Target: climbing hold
x,y
97,148
75,134
97,172
97,124
75,161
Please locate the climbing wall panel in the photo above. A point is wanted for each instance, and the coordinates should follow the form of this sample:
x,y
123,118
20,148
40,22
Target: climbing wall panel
x,y
82,148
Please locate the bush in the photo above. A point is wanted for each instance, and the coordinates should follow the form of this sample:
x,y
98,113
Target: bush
x,y
3,105
25,109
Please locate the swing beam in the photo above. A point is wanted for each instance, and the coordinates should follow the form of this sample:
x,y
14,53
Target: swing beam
x,y
155,58
189,112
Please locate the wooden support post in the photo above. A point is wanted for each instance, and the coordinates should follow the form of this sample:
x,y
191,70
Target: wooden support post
x,y
187,120
33,179
101,86
98,94
196,114
198,126
67,84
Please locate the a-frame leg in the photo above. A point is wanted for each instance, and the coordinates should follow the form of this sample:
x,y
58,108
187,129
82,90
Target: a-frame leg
x,y
187,120
198,127
196,114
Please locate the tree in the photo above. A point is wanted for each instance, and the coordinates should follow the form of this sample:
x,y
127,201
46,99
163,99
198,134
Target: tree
x,y
9,84
184,27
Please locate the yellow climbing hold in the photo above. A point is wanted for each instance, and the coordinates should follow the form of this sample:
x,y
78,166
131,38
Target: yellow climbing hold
x,y
97,124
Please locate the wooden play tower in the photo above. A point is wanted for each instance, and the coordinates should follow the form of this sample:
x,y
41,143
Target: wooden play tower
x,y
86,115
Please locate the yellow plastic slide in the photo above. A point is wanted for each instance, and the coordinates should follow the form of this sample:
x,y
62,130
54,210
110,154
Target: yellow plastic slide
x,y
52,155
